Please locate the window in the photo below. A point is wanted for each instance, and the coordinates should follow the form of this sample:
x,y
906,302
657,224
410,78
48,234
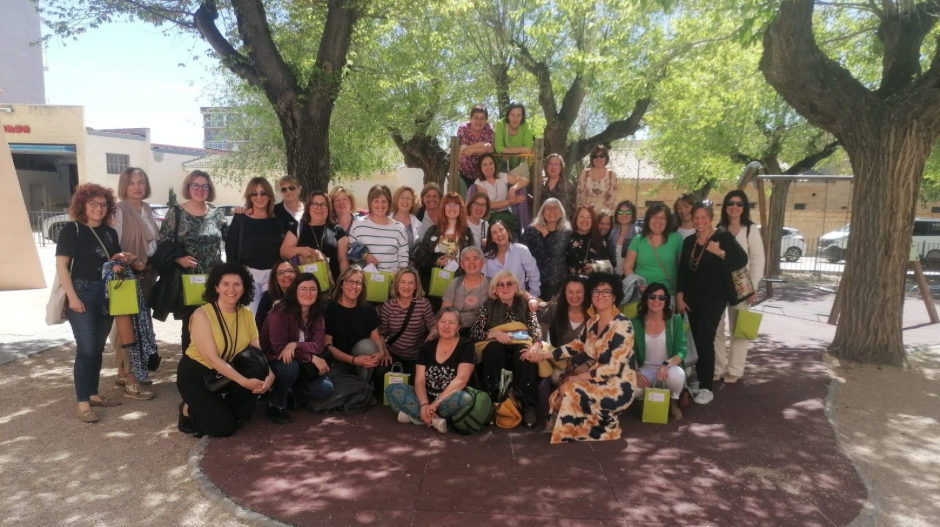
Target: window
x,y
651,203
799,206
935,210
117,163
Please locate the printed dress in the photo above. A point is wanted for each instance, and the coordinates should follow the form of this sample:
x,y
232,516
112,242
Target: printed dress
x,y
589,409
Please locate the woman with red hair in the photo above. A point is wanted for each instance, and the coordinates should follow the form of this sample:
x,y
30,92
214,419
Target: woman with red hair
x,y
84,248
443,241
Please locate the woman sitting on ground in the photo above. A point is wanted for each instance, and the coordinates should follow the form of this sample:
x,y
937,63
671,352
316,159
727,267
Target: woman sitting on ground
x,y
504,351
468,292
444,368
586,406
659,345
406,319
564,320
282,274
352,328
294,341
221,329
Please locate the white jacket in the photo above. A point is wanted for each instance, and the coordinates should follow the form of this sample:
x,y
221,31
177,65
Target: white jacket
x,y
753,245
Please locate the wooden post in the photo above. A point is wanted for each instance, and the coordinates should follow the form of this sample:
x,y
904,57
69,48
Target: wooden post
x,y
762,203
454,172
836,307
925,291
536,178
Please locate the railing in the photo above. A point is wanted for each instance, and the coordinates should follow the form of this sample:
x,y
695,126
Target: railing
x,y
806,256
535,160
46,231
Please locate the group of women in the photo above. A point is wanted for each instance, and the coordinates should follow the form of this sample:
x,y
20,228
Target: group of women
x,y
552,294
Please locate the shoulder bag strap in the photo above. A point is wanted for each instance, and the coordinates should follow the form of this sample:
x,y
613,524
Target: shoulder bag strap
x,y
411,309
661,267
105,249
176,228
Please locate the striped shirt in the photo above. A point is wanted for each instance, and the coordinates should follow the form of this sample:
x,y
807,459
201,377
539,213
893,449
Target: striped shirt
x,y
392,316
388,243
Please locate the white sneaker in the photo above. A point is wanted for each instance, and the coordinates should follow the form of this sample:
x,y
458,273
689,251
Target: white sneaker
x,y
704,396
439,424
403,418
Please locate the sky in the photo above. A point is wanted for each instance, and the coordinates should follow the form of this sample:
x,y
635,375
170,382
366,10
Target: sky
x,y
127,75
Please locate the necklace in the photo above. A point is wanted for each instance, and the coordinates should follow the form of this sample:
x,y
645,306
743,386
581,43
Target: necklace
x,y
313,229
694,260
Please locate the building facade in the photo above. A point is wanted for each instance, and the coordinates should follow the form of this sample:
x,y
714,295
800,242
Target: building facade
x,y
22,61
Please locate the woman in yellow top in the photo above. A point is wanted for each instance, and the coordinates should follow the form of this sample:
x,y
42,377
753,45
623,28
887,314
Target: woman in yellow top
x,y
220,329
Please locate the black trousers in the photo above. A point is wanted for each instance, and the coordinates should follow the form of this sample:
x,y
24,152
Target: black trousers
x,y
184,315
216,414
525,374
704,315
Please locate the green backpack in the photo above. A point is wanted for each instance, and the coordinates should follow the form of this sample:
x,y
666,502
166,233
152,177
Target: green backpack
x,y
473,418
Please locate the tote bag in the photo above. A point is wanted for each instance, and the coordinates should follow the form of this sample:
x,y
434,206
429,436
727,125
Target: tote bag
x,y
318,269
747,325
122,297
440,279
377,285
194,286
656,405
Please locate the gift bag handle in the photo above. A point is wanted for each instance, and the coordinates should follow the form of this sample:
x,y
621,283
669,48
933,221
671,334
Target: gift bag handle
x,y
401,369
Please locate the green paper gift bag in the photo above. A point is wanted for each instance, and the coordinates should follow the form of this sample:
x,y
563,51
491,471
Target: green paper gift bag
x,y
656,405
318,269
747,325
440,279
194,285
395,377
122,297
377,285
629,310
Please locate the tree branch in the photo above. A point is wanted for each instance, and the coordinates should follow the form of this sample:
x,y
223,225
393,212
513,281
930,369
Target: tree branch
x,y
871,8
542,76
571,103
816,86
325,80
851,35
614,131
278,80
204,19
902,34
811,160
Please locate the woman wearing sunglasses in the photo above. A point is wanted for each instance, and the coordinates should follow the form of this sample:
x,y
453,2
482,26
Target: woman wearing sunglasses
x,y
659,345
254,238
621,234
597,185
736,219
291,209
200,227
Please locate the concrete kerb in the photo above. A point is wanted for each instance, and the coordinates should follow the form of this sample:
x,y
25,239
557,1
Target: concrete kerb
x,y
213,494
910,350
868,516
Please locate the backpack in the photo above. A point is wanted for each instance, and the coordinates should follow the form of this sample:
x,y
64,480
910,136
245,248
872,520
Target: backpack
x,y
474,417
351,396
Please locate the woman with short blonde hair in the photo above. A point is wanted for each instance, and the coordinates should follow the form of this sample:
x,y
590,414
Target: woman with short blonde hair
x,y
404,206
343,206
407,319
291,208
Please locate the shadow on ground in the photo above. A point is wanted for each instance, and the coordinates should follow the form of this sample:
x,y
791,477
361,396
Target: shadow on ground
x,y
762,454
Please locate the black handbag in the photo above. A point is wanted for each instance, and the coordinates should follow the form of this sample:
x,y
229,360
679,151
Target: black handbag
x,y
169,250
250,362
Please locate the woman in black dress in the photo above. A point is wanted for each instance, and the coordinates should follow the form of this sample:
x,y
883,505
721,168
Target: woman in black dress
x,y
319,236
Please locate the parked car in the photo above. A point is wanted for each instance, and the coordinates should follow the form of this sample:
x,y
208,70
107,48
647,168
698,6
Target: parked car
x,y
229,211
792,244
52,226
925,237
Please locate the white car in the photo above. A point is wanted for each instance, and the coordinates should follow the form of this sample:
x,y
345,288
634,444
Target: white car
x,y
792,244
925,237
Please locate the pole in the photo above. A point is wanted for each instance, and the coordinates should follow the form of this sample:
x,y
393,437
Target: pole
x,y
453,174
536,178
636,196
762,203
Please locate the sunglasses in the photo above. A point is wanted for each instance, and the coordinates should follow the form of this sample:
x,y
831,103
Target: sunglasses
x,y
258,194
627,212
289,188
661,298
739,204
599,157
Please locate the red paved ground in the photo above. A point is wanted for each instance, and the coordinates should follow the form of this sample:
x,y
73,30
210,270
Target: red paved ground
x,y
761,454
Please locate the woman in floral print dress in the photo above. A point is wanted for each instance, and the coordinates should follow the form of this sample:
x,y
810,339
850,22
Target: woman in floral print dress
x,y
607,388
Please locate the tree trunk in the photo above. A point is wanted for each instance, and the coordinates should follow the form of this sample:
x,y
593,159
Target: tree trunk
x,y
424,152
887,179
307,142
775,223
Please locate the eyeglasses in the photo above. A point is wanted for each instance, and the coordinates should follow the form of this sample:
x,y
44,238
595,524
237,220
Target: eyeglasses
x,y
506,284
257,194
286,272
289,188
452,205
98,204
197,186
478,204
661,298
353,283
603,293
739,204
626,212
306,290
316,205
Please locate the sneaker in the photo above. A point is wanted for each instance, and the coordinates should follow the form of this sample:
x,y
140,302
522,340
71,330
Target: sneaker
x,y
278,415
439,424
136,391
529,418
704,396
404,418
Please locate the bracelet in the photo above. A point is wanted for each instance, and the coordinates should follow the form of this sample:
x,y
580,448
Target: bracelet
x,y
425,404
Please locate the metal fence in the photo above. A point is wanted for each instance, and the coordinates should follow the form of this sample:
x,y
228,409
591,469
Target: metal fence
x,y
46,225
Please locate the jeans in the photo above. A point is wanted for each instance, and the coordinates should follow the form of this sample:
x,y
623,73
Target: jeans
x,y
290,376
91,330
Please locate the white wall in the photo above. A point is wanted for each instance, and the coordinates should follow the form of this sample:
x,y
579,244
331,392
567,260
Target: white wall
x,y
96,148
57,187
412,177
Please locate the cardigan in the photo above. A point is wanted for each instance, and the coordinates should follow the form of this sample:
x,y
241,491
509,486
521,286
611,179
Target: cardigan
x,y
281,328
675,338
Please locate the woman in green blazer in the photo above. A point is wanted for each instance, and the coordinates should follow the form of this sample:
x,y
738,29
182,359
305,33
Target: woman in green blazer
x,y
659,345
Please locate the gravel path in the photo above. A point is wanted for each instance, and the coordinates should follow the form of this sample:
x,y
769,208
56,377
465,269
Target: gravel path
x,y
889,420
128,469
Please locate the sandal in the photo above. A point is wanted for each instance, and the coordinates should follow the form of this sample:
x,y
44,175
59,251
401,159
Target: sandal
x,y
103,402
136,391
88,416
